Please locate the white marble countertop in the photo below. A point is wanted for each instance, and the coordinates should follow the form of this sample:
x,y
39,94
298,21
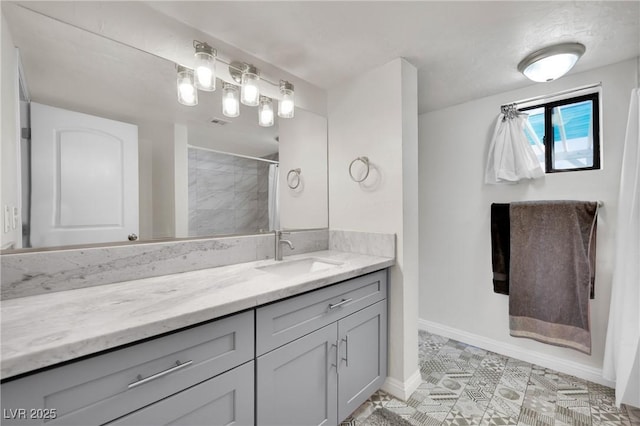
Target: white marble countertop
x,y
43,330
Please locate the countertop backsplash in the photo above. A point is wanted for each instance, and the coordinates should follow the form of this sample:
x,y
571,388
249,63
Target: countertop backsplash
x,y
31,273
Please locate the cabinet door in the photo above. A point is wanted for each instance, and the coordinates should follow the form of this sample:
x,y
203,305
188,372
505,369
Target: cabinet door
x,y
297,383
362,348
224,400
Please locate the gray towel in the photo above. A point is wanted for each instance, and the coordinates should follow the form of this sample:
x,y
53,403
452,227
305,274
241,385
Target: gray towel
x,y
551,272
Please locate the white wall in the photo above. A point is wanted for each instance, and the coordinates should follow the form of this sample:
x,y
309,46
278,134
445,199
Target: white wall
x,y
375,115
303,145
145,185
181,180
10,153
163,186
455,247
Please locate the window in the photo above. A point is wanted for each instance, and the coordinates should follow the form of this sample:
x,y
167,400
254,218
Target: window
x,y
565,134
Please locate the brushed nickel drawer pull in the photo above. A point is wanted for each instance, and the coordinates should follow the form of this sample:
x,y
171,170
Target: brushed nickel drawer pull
x,y
141,381
337,305
346,349
335,345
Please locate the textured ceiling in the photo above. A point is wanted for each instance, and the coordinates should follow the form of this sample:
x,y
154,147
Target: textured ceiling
x,y
463,50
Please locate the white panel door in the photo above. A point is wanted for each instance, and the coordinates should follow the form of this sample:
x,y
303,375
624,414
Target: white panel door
x,y
84,186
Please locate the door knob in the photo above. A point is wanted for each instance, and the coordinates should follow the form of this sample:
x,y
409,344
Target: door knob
x,y
132,237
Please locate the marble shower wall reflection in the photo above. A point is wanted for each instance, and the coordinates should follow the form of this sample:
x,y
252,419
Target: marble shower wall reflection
x,y
227,194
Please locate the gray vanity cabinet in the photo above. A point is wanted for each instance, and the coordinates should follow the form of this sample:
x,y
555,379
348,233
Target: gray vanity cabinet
x,y
224,400
102,388
311,359
323,376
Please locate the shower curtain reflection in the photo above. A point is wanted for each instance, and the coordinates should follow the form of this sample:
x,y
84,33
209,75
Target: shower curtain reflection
x,y
229,194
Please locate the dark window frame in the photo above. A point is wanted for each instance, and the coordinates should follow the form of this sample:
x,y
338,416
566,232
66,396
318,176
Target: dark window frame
x,y
548,130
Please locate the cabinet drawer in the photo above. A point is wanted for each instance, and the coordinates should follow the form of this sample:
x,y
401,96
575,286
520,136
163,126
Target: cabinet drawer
x,y
224,400
284,321
104,387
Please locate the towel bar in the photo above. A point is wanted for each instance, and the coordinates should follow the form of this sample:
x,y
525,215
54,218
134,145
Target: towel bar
x,y
296,178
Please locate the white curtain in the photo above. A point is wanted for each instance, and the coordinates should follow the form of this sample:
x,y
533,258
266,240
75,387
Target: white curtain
x,y
622,350
511,157
274,206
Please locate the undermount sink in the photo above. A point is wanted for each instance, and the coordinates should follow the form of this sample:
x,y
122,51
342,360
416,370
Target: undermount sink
x,y
299,266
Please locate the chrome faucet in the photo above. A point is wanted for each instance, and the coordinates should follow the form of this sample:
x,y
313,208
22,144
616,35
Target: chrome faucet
x,y
279,242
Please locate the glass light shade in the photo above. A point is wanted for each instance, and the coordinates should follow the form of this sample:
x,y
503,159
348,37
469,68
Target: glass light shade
x,y
205,67
250,92
551,62
187,93
550,68
286,103
230,100
265,112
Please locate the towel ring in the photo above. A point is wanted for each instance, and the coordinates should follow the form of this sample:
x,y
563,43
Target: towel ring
x,y
365,161
296,176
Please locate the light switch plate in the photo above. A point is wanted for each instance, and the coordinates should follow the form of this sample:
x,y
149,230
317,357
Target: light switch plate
x,y
15,217
7,219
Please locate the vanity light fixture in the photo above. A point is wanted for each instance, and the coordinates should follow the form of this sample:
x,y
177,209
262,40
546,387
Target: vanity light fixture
x,y
551,62
205,66
230,100
187,92
250,90
265,112
246,91
286,103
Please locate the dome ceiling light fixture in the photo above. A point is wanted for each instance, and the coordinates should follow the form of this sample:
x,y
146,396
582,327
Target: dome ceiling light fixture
x,y
551,62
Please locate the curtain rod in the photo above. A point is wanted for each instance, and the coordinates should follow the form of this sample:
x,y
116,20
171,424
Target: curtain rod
x,y
232,154
554,95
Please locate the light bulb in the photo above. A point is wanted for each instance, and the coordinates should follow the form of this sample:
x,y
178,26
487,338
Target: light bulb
x,y
205,66
187,93
250,92
204,77
265,112
286,104
230,101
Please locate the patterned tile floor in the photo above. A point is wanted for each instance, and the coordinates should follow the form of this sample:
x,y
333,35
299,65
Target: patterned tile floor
x,y
464,385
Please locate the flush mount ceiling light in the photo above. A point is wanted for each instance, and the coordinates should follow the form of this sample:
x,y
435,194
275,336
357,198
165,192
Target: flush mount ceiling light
x,y
551,62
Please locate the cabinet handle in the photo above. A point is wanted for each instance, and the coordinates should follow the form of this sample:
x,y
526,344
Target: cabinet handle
x,y
346,350
141,381
335,345
337,305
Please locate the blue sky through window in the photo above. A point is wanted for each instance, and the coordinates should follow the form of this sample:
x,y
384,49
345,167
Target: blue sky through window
x,y
576,119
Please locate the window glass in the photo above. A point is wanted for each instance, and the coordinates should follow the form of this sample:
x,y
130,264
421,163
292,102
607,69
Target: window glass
x,y
565,134
572,136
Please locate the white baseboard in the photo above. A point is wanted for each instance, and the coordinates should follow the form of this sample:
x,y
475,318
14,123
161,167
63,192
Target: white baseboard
x,y
402,390
548,361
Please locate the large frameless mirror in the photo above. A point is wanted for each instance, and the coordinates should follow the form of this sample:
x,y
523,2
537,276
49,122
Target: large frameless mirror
x,y
106,154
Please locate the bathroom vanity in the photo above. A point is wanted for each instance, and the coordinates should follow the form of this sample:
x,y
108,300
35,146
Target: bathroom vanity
x,y
302,341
